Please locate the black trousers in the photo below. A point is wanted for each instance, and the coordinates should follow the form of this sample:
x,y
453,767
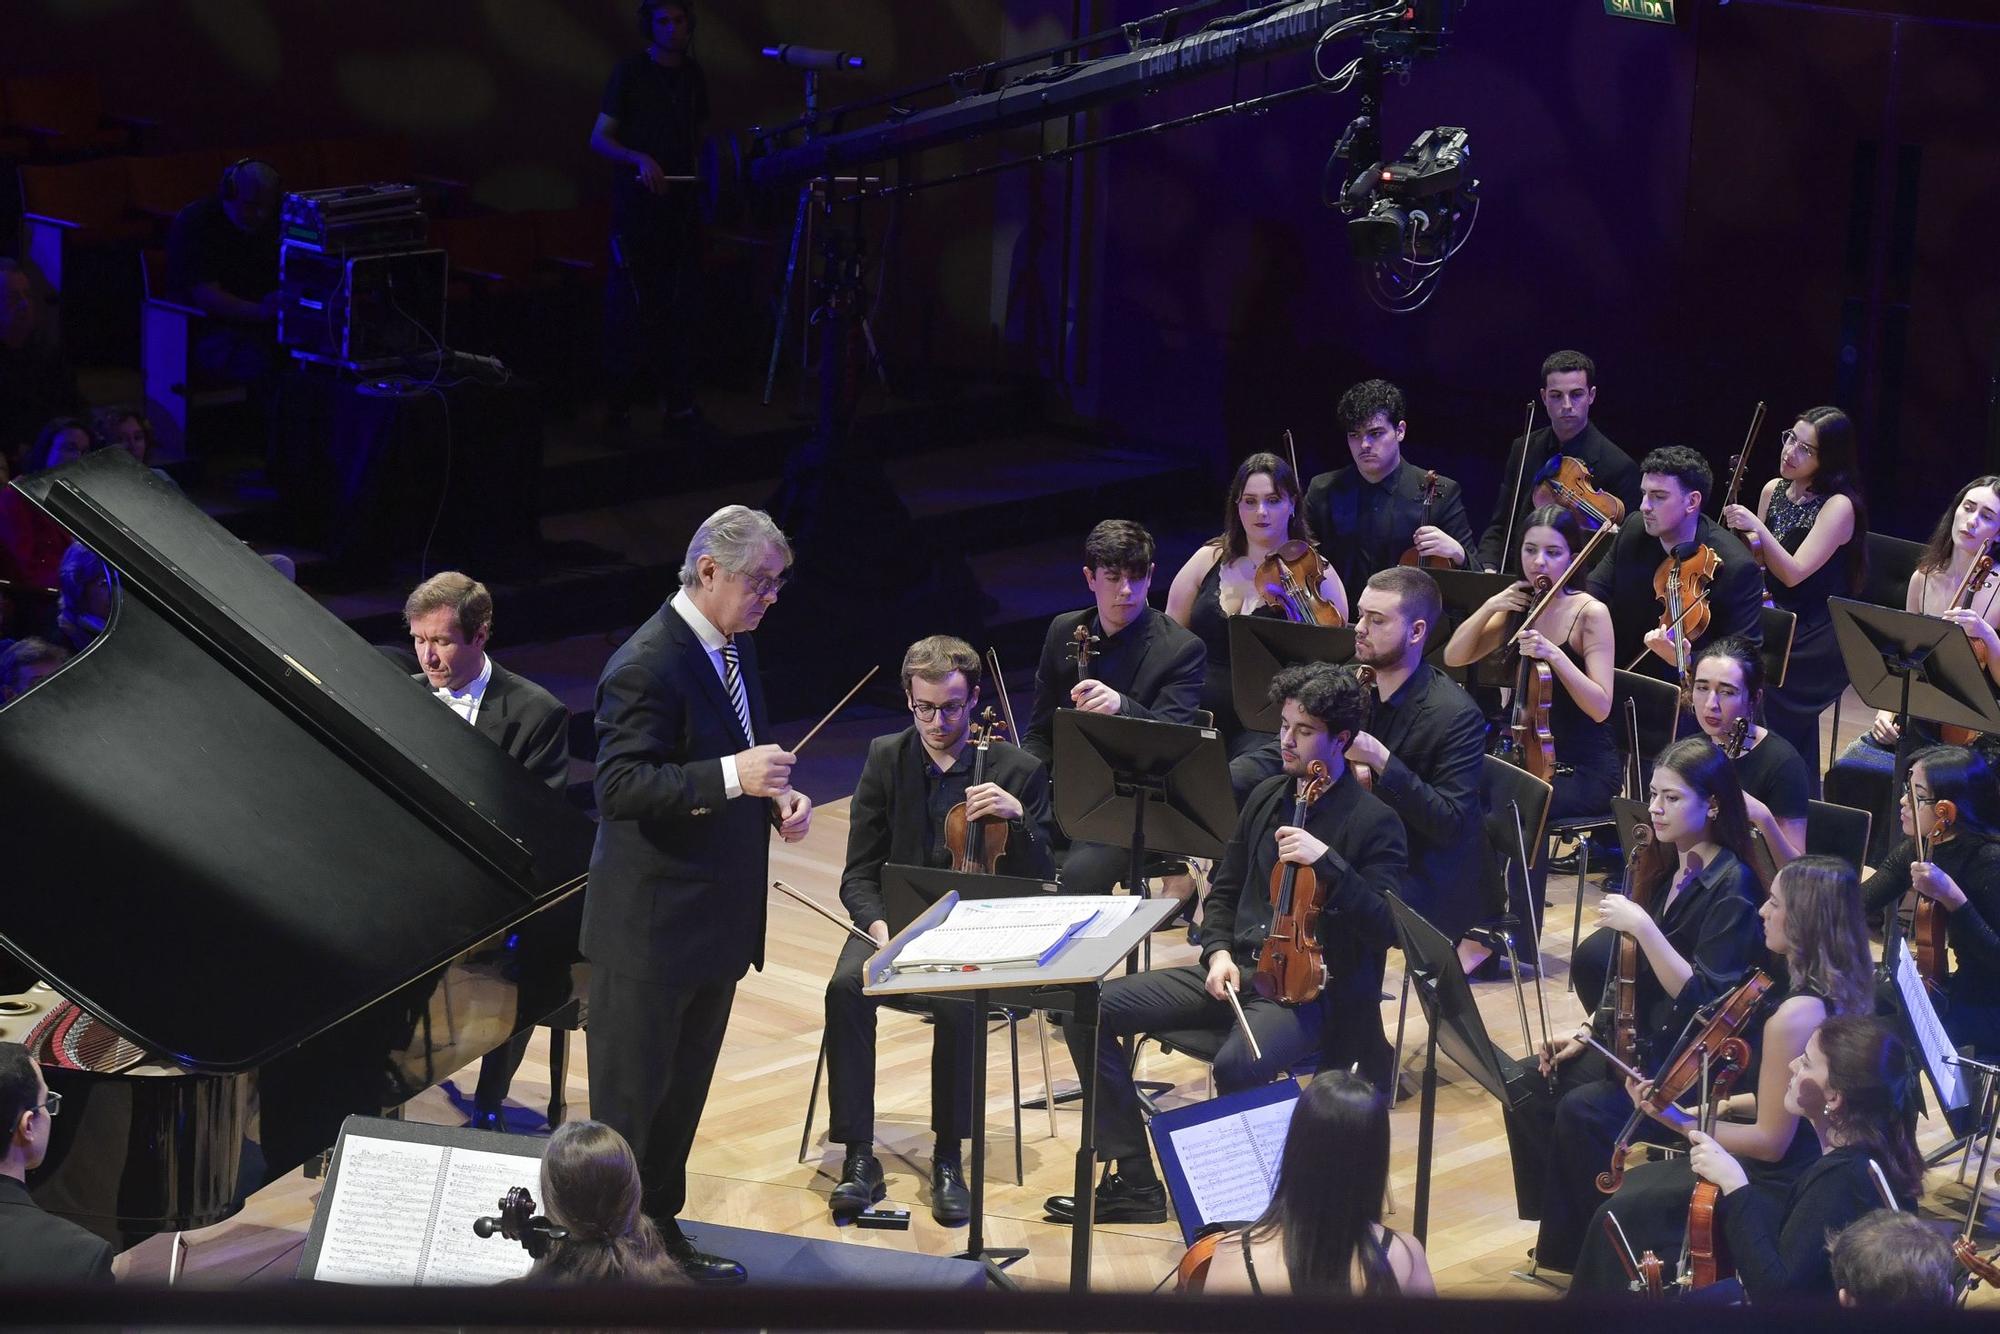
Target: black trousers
x,y
652,1054
1174,998
652,306
850,1056
1561,1143
1093,868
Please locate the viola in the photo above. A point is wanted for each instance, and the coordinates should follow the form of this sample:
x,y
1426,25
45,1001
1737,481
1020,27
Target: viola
x,y
1566,481
1412,556
1291,969
1715,1042
1975,579
1290,578
1529,743
977,845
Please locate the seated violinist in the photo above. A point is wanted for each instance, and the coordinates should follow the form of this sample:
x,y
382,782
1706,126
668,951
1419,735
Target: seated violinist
x,y
1141,664
910,783
1370,514
1954,790
1572,638
1352,847
1691,918
1673,483
1727,686
1221,579
1814,922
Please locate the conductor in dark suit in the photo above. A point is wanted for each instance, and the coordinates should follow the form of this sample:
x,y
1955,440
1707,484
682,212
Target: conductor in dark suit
x,y
36,1248
688,789
1143,664
450,616
910,782
1673,483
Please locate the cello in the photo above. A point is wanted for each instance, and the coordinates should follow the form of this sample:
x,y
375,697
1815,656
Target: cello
x,y
1412,556
977,845
1529,744
1291,969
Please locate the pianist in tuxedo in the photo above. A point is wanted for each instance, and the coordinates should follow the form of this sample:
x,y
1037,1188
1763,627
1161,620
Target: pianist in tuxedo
x,y
911,779
36,1248
450,616
688,789
1354,845
1143,664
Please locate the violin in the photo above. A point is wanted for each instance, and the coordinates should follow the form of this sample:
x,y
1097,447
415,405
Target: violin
x,y
1714,1043
1704,1258
1529,744
1412,556
1640,858
1928,940
1080,651
1566,481
1975,579
1290,578
1682,584
977,845
1362,773
1291,968
1978,1268
1643,1273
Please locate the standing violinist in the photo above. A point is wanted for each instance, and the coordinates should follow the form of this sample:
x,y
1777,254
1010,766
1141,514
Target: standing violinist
x,y
1727,686
910,782
1958,813
1142,664
1573,638
1353,846
1811,529
1814,921
1694,938
1369,515
1672,483
1220,580
1569,392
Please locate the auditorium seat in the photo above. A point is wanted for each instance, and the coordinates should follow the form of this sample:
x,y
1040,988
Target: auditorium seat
x,y
78,225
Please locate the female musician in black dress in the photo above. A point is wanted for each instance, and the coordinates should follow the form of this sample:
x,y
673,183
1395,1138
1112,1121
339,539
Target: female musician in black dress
x,y
1814,921
1810,529
1574,638
1955,791
1265,510
1697,940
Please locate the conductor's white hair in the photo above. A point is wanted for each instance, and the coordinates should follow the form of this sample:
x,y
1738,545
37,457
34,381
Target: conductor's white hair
x,y
735,536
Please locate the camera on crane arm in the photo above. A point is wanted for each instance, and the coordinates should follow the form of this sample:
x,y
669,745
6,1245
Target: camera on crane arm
x,y
1411,208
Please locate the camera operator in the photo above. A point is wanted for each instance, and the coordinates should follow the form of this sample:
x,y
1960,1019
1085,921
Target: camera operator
x,y
590,1189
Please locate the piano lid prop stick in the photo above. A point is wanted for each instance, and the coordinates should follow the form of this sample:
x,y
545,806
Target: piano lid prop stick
x,y
1256,1052
839,921
837,708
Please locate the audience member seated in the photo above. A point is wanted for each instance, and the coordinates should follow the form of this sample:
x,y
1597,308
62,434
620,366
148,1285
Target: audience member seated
x,y
36,383
86,597
26,663
32,543
590,1189
35,1247
124,427
1322,1231
222,259
1890,1258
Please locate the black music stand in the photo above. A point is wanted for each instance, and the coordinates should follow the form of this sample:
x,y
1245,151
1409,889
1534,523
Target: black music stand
x,y
1913,666
1262,646
1452,1016
1466,591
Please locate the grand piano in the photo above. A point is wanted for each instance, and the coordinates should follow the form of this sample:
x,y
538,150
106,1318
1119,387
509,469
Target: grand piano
x,y
264,879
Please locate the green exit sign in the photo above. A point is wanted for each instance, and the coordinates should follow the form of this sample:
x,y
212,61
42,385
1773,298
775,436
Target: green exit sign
x,y
1652,11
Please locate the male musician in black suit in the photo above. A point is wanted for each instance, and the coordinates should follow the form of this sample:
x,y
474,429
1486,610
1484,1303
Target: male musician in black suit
x,y
1425,742
1353,845
1673,483
911,780
1368,515
450,616
1569,391
688,789
36,1249
1143,664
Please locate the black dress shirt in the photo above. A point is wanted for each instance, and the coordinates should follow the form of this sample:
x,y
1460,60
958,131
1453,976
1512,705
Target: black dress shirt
x,y
1623,581
1436,738
1365,526
1611,469
1780,1244
1154,664
40,1249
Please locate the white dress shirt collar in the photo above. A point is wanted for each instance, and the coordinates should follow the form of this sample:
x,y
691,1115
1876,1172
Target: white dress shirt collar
x,y
465,703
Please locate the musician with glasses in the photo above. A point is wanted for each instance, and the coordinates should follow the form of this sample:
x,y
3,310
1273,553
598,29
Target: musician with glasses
x,y
909,783
36,1247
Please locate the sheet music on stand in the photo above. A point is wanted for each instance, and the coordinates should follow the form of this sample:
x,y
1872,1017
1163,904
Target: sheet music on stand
x,y
1221,1157
1940,1054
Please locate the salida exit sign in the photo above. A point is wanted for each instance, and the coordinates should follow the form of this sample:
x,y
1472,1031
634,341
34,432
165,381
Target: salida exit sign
x,y
1652,11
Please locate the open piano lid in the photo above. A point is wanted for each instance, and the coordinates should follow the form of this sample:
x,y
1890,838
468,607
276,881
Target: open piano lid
x,y
230,822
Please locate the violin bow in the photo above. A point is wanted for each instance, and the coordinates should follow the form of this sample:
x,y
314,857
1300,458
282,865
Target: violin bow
x,y
1256,1053
837,708
1685,613
1520,475
1293,451
1000,689
1541,1002
1729,497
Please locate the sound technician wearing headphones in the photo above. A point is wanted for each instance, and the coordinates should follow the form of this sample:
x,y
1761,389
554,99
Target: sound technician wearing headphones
x,y
222,259
653,110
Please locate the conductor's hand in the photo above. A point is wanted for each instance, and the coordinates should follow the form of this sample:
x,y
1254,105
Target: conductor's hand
x,y
1711,1162
795,813
991,801
1553,1054
1298,847
650,174
1095,697
1222,975
765,771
